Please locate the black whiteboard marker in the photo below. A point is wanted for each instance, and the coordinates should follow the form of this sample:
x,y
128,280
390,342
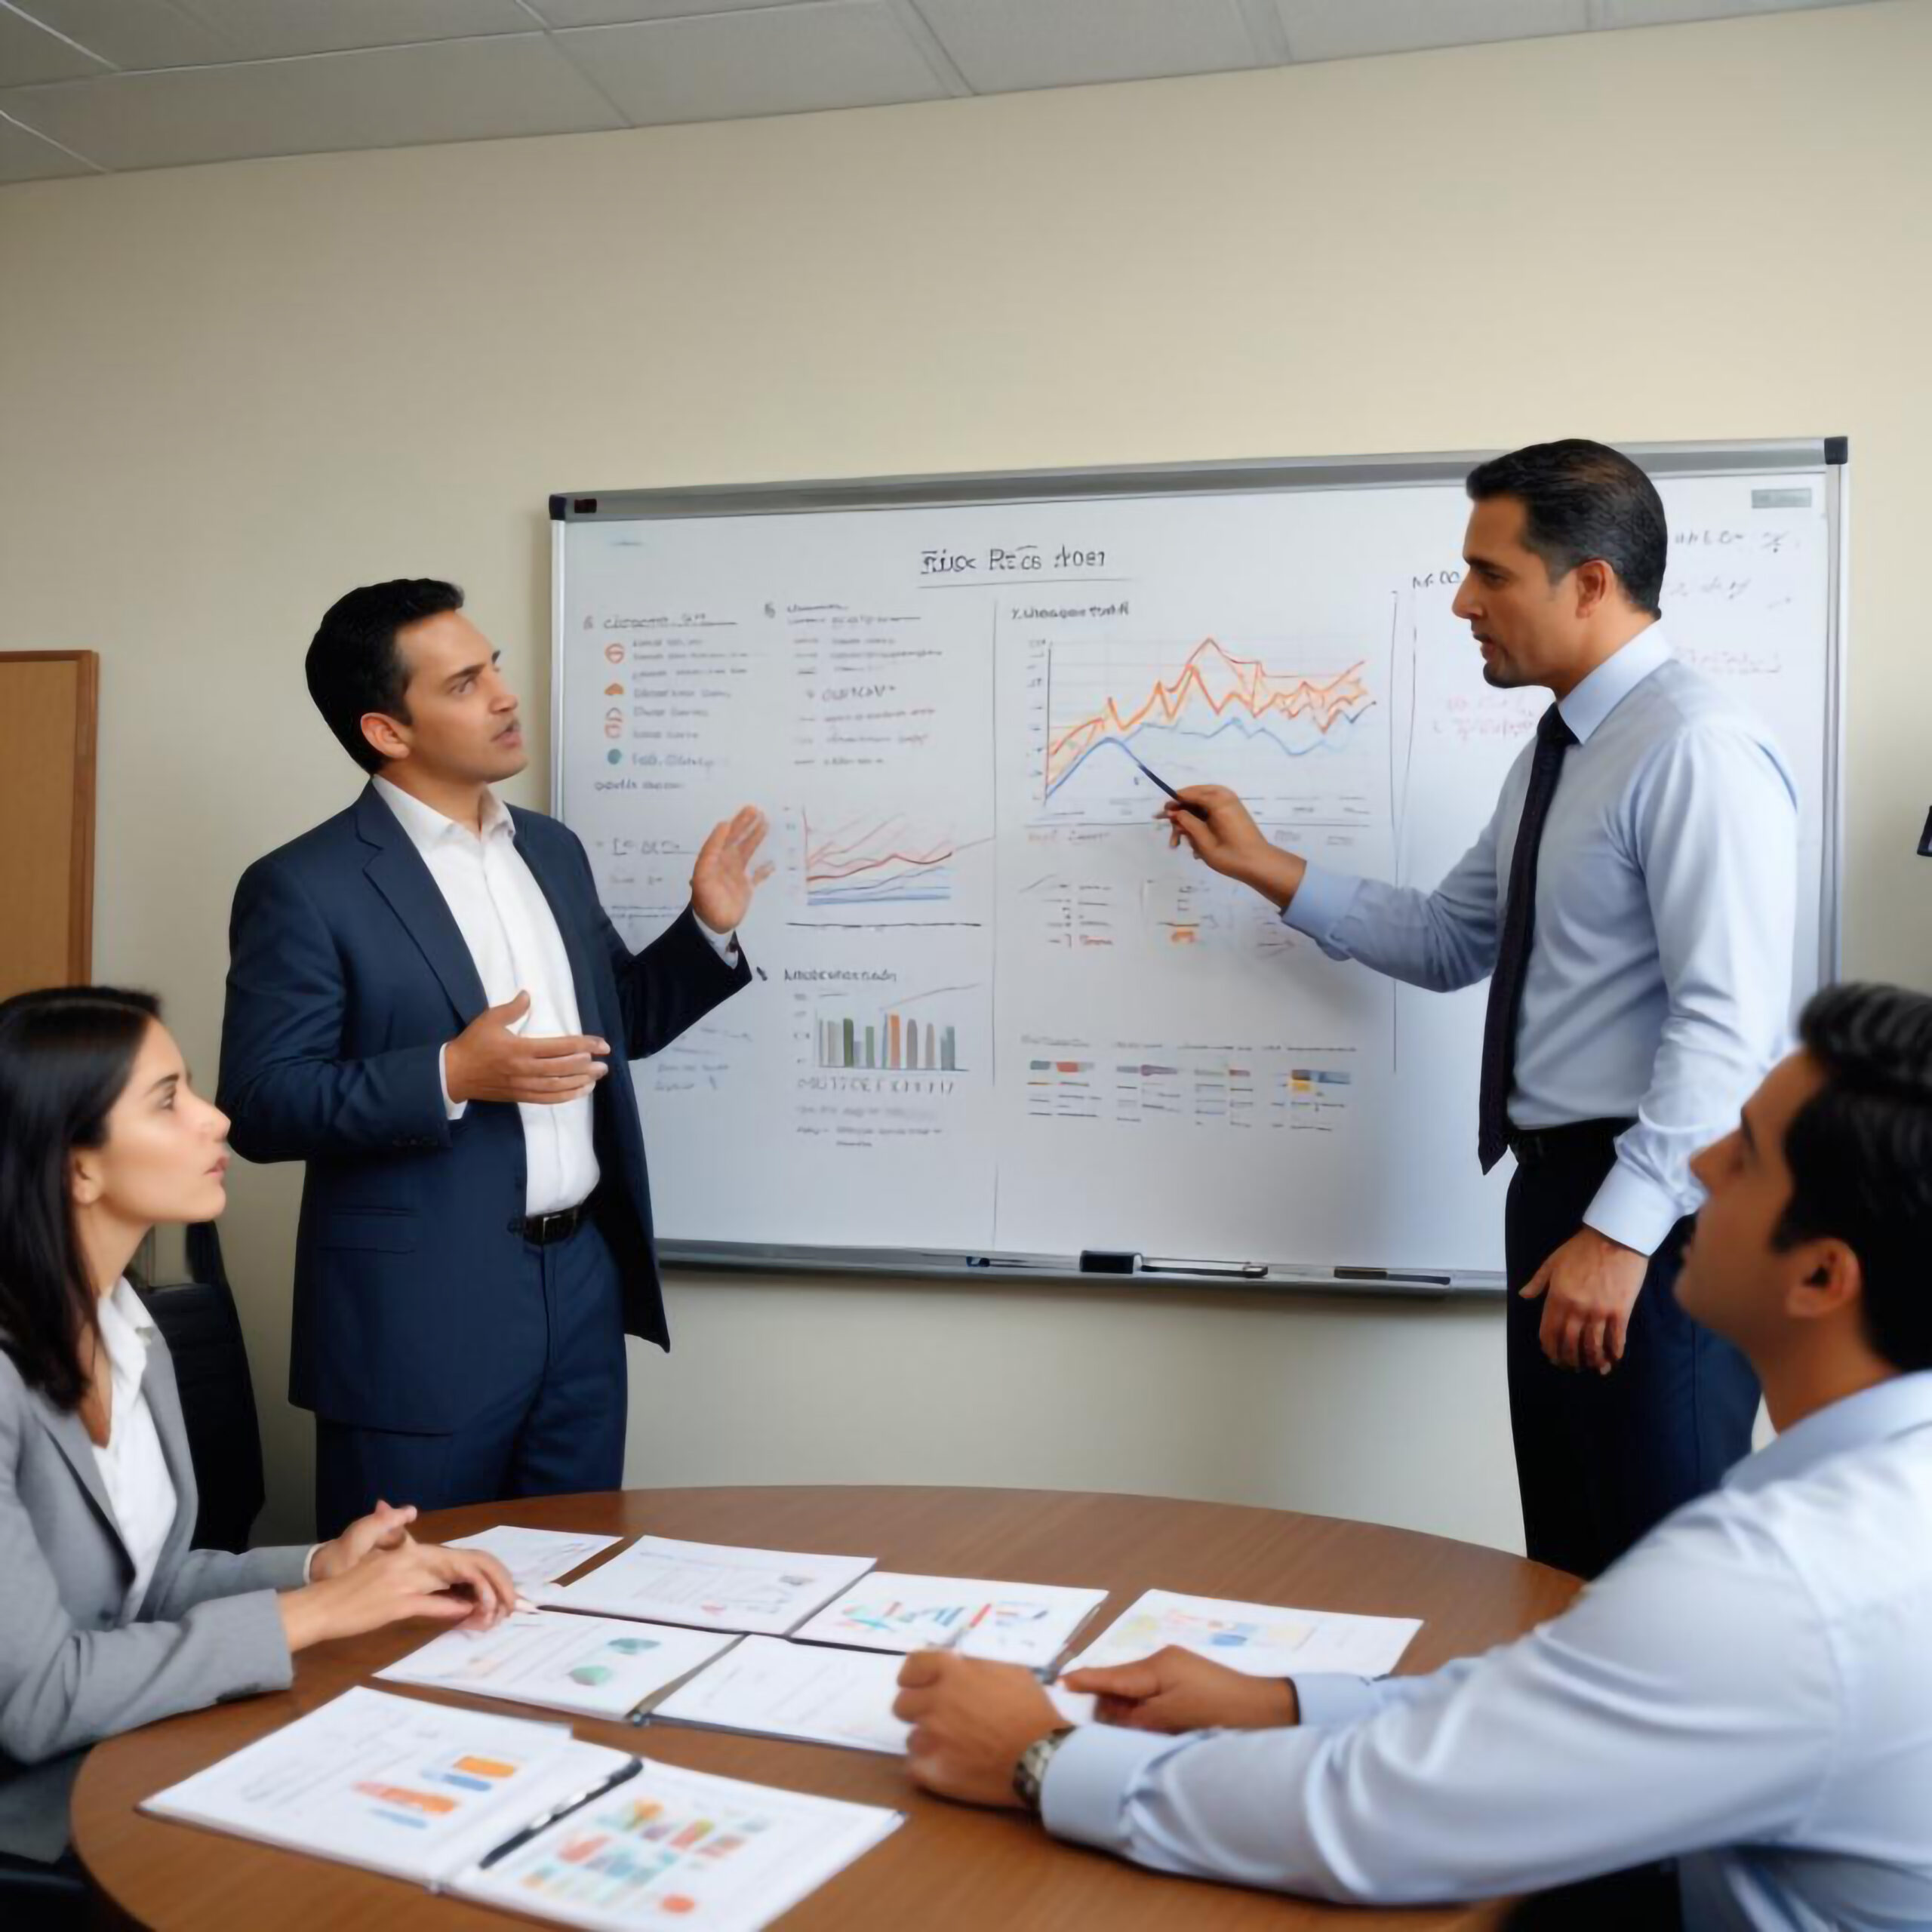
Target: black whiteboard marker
x,y
1154,775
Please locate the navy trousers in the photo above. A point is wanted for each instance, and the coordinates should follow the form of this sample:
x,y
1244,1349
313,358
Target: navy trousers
x,y
1601,1459
559,1433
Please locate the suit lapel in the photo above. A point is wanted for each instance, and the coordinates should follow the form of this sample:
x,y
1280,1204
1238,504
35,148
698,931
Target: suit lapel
x,y
553,889
70,1436
396,870
158,1384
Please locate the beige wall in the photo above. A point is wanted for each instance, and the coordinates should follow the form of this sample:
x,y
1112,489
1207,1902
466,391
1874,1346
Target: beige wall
x,y
226,393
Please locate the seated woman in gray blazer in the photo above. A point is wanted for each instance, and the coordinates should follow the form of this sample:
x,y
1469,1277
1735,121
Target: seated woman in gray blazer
x,y
108,1620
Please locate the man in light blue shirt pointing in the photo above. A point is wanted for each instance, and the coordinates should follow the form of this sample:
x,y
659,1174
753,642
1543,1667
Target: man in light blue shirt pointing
x,y
1746,1691
1632,900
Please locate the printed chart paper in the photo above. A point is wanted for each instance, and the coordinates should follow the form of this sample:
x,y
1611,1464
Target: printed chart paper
x,y
536,1557
1258,1639
395,1784
676,1847
779,1690
715,1586
596,1666
1025,1623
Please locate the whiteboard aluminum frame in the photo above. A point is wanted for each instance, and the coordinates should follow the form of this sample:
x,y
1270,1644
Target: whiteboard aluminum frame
x,y
998,1268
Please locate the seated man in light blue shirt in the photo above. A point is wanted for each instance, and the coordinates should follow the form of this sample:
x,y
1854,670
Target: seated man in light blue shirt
x,y
1632,901
1747,1691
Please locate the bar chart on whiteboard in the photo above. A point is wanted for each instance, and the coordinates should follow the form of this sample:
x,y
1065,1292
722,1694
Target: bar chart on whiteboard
x,y
995,1008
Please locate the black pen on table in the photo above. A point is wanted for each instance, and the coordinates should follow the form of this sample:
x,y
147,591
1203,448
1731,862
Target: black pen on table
x,y
601,1789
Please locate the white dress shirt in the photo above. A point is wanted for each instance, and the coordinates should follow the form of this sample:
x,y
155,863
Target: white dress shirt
x,y
139,1490
1659,983
1747,1690
512,935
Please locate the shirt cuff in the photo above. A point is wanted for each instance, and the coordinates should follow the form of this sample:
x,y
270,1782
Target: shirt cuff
x,y
1633,1210
1329,1700
1084,1795
1322,901
454,1109
725,945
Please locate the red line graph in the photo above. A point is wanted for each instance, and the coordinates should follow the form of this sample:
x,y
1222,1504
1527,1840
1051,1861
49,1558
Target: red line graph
x,y
841,864
1213,678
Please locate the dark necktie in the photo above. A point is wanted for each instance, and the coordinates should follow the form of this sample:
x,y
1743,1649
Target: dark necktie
x,y
1554,738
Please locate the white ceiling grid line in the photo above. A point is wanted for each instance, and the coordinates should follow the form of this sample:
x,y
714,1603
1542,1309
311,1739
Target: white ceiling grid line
x,y
102,86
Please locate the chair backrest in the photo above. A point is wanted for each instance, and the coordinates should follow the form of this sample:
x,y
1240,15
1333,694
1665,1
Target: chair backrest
x,y
204,1335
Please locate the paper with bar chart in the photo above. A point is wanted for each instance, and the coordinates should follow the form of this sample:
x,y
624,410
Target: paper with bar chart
x,y
672,1847
1026,1623
1258,1639
993,1008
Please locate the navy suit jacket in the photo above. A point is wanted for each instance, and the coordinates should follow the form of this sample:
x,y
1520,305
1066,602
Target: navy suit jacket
x,y
347,975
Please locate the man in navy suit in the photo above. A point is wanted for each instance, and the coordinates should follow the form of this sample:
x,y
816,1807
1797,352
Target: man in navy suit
x,y
423,995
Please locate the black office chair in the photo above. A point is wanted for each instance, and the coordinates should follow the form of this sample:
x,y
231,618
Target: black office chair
x,y
204,1335
42,1898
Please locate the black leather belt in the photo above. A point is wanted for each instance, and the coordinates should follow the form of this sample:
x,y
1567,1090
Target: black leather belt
x,y
541,1230
1536,1147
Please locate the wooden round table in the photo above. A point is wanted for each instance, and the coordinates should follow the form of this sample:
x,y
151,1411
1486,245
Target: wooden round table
x,y
950,1866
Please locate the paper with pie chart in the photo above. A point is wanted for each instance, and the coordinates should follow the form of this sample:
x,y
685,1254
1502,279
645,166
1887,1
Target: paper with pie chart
x,y
1257,1639
1026,1623
596,1667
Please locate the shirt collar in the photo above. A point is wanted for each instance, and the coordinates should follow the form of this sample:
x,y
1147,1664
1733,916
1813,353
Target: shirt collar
x,y
427,827
1610,683
1872,1415
126,1327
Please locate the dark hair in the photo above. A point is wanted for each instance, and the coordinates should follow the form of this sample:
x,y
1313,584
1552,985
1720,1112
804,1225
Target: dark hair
x,y
353,664
66,1054
1582,499
1860,1155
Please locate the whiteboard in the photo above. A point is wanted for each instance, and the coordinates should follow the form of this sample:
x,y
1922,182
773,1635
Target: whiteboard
x,y
995,1022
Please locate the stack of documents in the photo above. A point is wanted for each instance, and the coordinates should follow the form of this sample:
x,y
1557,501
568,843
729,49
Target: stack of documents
x,y
522,1816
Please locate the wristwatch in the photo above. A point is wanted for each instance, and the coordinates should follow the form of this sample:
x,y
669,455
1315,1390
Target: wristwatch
x,y
1030,1773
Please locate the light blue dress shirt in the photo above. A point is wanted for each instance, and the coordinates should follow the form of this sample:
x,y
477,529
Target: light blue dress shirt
x,y
1748,1690
1659,983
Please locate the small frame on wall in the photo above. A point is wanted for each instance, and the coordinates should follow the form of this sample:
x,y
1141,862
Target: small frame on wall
x,y
48,710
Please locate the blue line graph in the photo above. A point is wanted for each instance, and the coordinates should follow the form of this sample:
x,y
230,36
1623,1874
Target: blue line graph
x,y
1329,746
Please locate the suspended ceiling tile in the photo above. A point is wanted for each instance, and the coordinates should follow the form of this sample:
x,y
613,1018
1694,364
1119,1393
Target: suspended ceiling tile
x,y
1340,29
28,53
266,29
727,65
127,33
24,156
611,13
1003,46
397,97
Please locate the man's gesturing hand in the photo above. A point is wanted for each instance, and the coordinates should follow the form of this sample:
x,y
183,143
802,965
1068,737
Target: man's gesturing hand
x,y
1219,831
1175,1691
723,879
489,1060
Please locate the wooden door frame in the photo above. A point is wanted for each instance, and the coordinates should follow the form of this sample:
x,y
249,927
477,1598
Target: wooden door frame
x,y
80,858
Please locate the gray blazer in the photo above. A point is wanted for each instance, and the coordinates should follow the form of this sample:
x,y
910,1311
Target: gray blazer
x,y
72,1668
